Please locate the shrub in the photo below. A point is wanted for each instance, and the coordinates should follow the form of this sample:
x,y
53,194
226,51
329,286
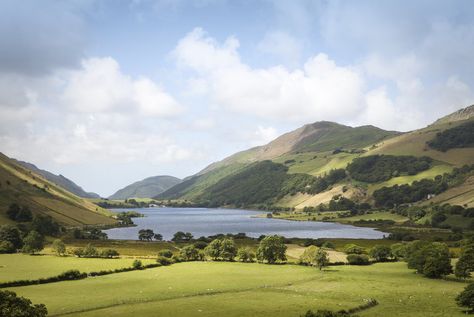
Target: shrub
x,y
11,305
6,247
245,255
381,253
32,243
163,260
166,253
137,265
11,234
189,253
354,249
466,297
358,259
109,253
59,247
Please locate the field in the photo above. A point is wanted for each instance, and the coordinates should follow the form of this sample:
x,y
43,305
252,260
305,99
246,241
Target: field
x,y
235,289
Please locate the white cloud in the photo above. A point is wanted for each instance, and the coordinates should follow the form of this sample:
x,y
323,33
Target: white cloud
x,y
100,86
263,135
321,90
281,44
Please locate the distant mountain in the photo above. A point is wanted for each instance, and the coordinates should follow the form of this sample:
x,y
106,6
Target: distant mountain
x,y
19,184
60,180
316,149
147,188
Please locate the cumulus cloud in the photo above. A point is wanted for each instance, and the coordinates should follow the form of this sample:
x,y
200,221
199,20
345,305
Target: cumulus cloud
x,y
282,45
321,90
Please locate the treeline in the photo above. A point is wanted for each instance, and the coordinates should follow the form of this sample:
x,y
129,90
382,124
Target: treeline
x,y
402,194
378,168
264,183
458,137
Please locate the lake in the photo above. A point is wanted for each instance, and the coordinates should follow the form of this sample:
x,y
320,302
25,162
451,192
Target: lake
x,y
207,222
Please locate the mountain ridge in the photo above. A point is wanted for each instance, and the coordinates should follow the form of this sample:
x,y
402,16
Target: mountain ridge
x,y
146,188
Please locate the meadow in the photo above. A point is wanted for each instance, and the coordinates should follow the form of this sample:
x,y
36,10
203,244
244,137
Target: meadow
x,y
237,289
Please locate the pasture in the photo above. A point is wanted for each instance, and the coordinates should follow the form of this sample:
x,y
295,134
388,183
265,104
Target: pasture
x,y
236,289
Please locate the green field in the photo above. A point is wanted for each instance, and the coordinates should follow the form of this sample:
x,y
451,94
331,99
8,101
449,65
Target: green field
x,y
235,289
20,266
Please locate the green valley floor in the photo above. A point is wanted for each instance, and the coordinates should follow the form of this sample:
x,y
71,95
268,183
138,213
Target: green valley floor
x,y
237,289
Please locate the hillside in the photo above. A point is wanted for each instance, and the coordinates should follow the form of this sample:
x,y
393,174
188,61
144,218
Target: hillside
x,y
27,188
146,188
59,180
316,149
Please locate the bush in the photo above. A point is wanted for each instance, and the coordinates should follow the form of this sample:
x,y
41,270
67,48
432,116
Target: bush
x,y
6,247
358,259
59,247
165,253
354,249
163,260
109,253
11,305
466,297
381,253
137,265
245,255
189,253
32,243
11,234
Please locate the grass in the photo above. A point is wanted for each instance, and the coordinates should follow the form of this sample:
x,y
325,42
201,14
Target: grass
x,y
380,215
18,266
235,289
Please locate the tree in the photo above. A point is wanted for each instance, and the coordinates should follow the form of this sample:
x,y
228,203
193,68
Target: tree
x,y
24,214
146,235
399,250
33,242
245,255
6,247
272,249
228,249
11,234
465,264
429,259
466,297
354,249
380,253
109,253
44,225
90,252
59,247
180,236
165,253
189,253
321,259
309,255
13,211
137,264
158,237
358,259
11,305
213,250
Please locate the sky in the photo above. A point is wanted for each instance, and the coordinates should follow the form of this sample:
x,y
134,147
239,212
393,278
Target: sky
x,y
110,92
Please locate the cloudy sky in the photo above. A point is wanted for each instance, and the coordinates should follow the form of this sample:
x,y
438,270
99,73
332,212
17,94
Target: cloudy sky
x,y
110,92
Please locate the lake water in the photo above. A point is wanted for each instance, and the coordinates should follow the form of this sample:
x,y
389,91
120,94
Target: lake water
x,y
207,222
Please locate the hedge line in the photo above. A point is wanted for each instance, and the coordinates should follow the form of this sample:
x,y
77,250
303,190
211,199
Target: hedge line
x,y
73,275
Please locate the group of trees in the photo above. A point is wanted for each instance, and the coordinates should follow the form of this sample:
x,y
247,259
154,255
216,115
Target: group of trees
x,y
149,235
457,137
378,168
90,251
315,256
221,249
89,234
20,214
12,240
12,305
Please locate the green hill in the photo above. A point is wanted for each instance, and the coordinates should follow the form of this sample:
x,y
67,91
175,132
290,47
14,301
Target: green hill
x,y
146,188
27,188
316,149
60,180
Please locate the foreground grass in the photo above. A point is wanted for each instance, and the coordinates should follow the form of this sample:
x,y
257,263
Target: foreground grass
x,y
235,289
25,267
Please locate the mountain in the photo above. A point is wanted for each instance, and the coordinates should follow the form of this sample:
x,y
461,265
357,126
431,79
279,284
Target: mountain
x,y
147,188
25,187
318,148
60,180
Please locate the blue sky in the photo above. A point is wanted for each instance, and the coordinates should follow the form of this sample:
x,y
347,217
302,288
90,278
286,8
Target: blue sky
x,y
110,92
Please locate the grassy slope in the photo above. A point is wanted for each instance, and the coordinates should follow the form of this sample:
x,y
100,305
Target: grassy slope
x,y
42,196
193,289
20,266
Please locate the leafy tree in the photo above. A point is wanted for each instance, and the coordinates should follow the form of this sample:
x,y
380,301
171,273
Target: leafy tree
x,y
59,247
24,215
380,253
145,235
228,249
166,253
6,247
189,253
45,225
13,306
354,249
358,259
109,253
245,255
33,242
181,236
430,259
309,255
466,297
90,251
13,211
158,237
137,264
321,259
465,264
11,234
272,249
398,250
213,250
